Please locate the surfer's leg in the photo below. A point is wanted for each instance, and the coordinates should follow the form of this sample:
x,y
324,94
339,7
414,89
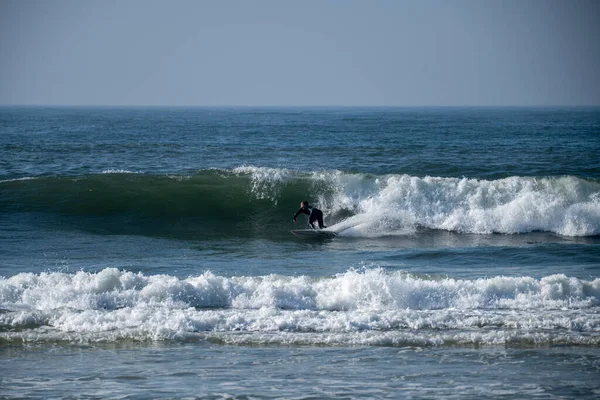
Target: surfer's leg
x,y
320,221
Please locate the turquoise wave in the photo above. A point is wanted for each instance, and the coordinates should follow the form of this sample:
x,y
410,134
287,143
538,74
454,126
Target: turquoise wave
x,y
254,200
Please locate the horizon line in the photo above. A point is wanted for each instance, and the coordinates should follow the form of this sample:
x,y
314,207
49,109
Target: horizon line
x,y
300,106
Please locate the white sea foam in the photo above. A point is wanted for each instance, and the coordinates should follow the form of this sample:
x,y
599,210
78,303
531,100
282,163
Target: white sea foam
x,y
399,204
374,206
26,178
357,307
567,206
118,171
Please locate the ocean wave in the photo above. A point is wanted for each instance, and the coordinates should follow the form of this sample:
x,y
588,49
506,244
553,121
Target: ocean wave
x,y
367,307
235,202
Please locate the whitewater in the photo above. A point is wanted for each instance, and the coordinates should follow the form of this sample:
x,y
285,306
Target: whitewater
x,y
388,204
370,307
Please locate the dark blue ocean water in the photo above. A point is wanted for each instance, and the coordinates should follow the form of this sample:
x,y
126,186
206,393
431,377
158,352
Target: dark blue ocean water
x,y
146,252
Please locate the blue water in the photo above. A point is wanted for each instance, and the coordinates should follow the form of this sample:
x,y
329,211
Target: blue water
x,y
146,252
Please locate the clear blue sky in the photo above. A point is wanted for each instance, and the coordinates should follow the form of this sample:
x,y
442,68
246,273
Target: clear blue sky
x,y
406,53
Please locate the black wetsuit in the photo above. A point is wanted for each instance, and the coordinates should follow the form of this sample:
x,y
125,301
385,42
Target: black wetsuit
x,y
314,214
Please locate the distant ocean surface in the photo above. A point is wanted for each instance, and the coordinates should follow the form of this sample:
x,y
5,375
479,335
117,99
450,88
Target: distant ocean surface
x,y
147,253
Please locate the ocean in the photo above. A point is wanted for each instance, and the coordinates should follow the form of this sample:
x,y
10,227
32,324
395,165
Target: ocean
x,y
147,253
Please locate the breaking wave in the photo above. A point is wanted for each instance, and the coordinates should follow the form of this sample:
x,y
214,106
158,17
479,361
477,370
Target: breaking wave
x,y
235,202
358,307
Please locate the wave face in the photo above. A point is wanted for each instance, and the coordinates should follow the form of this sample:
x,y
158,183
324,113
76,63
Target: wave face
x,y
249,200
367,307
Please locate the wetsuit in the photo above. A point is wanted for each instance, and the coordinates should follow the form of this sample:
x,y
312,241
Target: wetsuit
x,y
314,214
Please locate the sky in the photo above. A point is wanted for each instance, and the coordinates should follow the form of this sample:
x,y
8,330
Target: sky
x,y
300,53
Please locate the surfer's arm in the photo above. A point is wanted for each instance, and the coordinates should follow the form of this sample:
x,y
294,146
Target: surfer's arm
x,y
300,211
297,213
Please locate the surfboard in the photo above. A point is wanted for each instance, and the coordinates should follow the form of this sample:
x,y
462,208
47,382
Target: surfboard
x,y
313,233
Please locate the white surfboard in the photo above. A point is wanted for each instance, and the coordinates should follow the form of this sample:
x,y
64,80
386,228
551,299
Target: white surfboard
x,y
313,233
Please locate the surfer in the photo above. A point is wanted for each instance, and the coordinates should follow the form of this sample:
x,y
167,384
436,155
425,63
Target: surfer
x,y
314,214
